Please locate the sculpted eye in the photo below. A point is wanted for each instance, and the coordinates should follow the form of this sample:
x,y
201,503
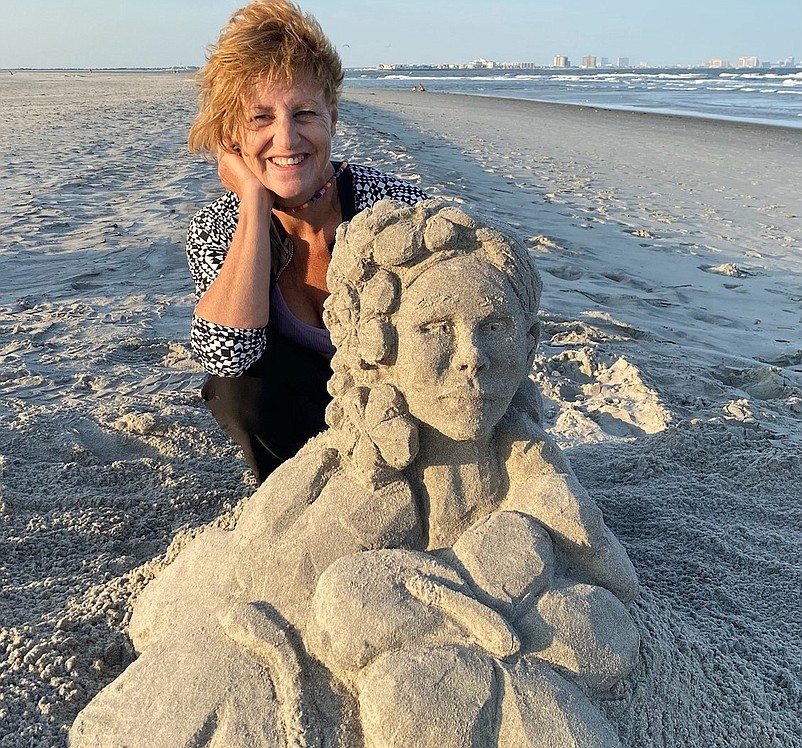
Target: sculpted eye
x,y
498,325
434,328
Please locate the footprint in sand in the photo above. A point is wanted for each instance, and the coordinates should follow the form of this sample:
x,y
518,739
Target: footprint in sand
x,y
761,383
785,360
565,272
138,351
106,446
629,281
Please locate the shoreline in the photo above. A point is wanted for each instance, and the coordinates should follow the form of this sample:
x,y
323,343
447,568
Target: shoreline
x,y
740,95
496,100
657,112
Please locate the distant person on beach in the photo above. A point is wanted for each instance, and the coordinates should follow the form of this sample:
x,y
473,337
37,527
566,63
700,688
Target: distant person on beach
x,y
259,254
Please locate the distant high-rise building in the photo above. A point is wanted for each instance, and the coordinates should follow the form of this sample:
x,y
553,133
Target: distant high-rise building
x,y
748,62
718,63
605,61
561,61
589,61
622,62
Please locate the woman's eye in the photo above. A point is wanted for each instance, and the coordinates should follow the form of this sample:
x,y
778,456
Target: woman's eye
x,y
305,114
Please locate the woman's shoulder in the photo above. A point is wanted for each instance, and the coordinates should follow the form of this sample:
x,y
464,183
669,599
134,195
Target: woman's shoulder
x,y
369,175
372,185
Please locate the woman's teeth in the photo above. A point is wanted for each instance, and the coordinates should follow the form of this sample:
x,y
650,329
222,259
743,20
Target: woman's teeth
x,y
288,161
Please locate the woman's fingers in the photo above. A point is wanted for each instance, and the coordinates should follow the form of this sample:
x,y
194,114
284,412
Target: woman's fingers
x,y
234,173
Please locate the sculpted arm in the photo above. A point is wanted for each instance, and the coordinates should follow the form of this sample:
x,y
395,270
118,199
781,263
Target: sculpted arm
x,y
387,600
543,485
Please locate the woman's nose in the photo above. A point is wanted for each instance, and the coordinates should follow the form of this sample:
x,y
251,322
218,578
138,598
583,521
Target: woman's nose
x,y
285,133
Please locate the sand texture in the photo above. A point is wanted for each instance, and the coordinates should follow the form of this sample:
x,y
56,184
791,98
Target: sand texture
x,y
670,361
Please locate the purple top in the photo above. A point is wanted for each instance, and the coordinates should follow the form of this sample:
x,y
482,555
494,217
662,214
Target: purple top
x,y
284,322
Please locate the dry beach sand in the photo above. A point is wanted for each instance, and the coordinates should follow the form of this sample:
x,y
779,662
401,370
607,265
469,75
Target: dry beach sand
x,y
671,359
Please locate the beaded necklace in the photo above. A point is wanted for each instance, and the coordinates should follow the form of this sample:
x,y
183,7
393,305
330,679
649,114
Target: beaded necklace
x,y
322,191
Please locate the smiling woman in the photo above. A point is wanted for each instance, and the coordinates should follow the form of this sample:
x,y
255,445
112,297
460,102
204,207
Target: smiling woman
x,y
259,254
286,140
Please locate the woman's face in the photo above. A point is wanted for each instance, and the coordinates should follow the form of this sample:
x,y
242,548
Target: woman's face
x,y
462,347
287,138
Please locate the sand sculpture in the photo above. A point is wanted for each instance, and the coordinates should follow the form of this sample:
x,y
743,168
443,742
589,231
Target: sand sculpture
x,y
428,572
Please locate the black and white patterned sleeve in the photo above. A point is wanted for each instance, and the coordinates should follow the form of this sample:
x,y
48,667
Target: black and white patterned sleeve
x,y
226,351
222,351
371,186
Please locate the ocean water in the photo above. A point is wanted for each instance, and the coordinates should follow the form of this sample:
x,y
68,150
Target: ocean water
x,y
767,96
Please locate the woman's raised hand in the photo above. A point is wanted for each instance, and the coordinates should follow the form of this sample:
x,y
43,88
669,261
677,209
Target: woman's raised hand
x,y
237,176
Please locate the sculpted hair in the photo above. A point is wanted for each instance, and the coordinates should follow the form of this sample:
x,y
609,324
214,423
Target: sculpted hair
x,y
378,255
268,41
383,250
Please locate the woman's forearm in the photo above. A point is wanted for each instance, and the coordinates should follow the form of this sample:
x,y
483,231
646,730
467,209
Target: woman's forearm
x,y
239,296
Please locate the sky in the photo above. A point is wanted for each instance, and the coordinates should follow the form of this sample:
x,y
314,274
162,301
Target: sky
x,y
166,33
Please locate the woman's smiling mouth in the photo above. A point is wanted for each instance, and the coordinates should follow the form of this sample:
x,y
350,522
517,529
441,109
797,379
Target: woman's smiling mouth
x,y
287,161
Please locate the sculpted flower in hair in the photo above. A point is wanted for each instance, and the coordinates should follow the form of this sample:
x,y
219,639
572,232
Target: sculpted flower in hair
x,y
377,432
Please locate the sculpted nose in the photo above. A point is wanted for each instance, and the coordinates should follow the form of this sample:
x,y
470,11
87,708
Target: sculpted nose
x,y
470,356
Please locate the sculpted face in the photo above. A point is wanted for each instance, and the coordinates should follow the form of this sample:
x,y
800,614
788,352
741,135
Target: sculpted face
x,y
462,347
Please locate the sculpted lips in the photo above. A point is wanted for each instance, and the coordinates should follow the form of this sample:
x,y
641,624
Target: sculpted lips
x,y
468,396
469,390
290,161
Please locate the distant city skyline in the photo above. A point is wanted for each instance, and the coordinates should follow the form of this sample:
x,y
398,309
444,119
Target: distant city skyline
x,y
155,33
587,61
